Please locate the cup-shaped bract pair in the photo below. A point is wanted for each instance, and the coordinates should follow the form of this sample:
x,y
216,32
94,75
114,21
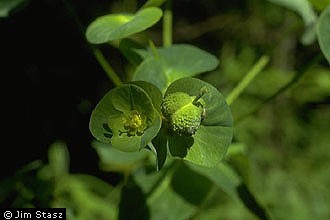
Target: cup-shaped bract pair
x,y
127,117
199,121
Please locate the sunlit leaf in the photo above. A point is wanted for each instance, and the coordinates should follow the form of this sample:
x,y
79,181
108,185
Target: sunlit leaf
x,y
153,3
117,26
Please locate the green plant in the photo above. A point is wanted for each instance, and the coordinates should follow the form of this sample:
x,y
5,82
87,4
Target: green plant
x,y
170,132
163,109
195,120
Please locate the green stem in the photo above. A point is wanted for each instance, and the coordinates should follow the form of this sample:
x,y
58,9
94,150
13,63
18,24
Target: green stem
x,y
294,80
167,25
106,67
254,71
153,49
97,53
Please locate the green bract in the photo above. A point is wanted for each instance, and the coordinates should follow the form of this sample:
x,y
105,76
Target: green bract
x,y
126,117
198,122
197,110
165,65
117,26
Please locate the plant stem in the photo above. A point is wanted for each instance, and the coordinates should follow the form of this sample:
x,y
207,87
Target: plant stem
x,y
97,53
301,71
106,67
167,25
153,49
254,71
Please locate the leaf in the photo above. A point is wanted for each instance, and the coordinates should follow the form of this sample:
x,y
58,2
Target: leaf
x,y
320,4
58,157
238,159
114,118
133,200
172,63
127,47
222,176
117,26
227,179
212,139
302,7
115,160
323,32
191,186
309,35
305,10
82,200
95,185
153,92
6,6
160,146
174,193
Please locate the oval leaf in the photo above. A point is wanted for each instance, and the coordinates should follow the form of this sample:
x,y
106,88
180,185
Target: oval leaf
x,y
117,26
323,32
208,146
126,118
172,63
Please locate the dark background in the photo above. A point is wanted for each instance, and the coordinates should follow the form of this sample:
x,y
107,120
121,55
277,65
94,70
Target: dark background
x,y
52,80
49,73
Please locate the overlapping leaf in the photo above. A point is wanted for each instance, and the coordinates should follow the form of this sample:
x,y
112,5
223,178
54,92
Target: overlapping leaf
x,y
208,146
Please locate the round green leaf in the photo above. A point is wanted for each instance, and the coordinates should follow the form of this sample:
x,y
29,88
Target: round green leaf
x,y
117,26
323,32
209,144
172,63
126,118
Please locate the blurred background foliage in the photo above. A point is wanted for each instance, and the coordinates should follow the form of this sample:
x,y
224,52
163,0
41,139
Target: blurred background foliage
x,y
280,152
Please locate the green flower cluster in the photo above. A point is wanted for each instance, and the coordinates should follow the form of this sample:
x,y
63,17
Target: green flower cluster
x,y
183,112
